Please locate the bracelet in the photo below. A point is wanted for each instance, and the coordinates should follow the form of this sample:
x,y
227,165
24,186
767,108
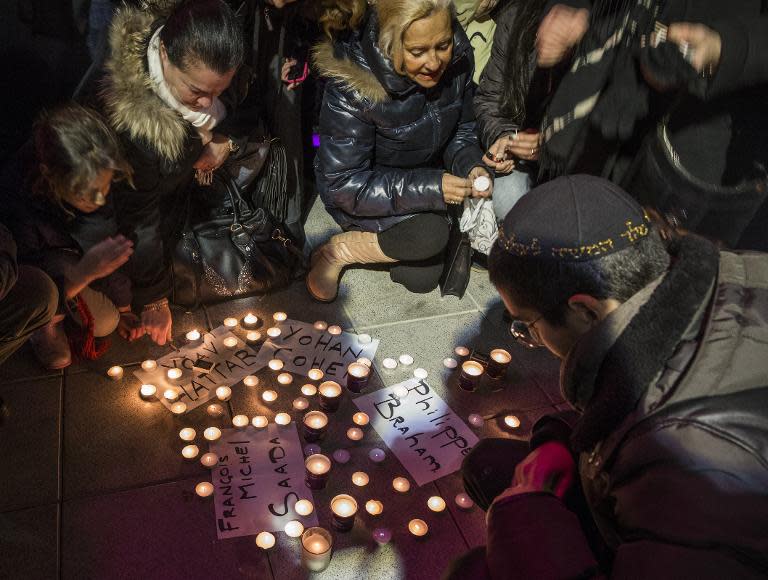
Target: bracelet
x,y
157,305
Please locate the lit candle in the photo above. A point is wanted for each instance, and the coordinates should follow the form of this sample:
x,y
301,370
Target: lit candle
x,y
250,321
308,390
187,434
223,393
190,451
240,421
212,433
400,391
274,332
461,351
280,317
512,421
316,546
344,508
471,371
148,392
285,378
401,484
476,420
418,527
149,365
276,364
389,364
357,377
436,503
173,374
320,325
115,373
259,421
230,322
317,467
315,374
204,489
303,507
209,459
377,455
450,363
360,478
215,410
265,540
193,335
293,529
179,408
374,507
360,419
269,395
341,456
354,433
230,342
250,381
335,330
170,395
252,337
364,338
282,418
330,396
464,501
498,363
406,359
300,403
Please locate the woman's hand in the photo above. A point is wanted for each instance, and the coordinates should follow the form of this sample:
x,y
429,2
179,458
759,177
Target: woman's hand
x,y
98,262
524,145
496,156
560,30
455,189
157,321
286,70
480,171
129,327
214,154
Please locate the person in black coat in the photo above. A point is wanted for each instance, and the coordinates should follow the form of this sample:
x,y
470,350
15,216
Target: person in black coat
x,y
397,143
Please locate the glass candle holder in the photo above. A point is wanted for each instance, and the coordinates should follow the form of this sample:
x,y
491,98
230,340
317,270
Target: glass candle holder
x,y
315,425
330,396
357,377
316,549
250,322
344,508
471,371
318,467
498,363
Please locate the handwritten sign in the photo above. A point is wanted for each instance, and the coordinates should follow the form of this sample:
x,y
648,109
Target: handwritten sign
x,y
196,388
302,347
258,480
424,433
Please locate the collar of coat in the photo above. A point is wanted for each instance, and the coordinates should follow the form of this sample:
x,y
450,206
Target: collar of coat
x,y
129,101
359,66
611,368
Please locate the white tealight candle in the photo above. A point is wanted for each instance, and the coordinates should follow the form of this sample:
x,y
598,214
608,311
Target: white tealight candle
x,y
269,395
193,335
170,395
341,456
364,338
335,330
280,317
173,374
240,421
436,503
250,321
190,451
360,478
308,390
303,507
148,392
187,434
285,378
230,322
204,488
250,381
214,410
259,421
209,459
293,529
149,365
360,419
354,433
315,374
377,455
420,373
382,535
316,546
223,393
115,373
374,507
401,484
265,540
230,342
212,433
282,418
476,420
274,332
252,337
389,363
276,364
406,359
344,506
400,391
461,351
178,408
365,361
320,325
300,403
450,363
311,449
418,527
481,183
512,421
464,501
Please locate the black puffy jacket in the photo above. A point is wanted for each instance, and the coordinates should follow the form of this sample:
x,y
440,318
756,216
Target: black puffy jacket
x,y
385,142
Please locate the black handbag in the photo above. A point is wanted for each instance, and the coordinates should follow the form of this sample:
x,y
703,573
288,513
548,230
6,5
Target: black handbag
x,y
232,251
458,261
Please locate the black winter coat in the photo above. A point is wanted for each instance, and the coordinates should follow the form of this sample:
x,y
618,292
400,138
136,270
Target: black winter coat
x,y
385,142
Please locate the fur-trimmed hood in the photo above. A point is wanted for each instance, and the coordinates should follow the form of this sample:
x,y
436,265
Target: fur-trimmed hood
x,y
357,64
130,104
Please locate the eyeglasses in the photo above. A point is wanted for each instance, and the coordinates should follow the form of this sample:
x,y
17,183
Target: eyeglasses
x,y
526,333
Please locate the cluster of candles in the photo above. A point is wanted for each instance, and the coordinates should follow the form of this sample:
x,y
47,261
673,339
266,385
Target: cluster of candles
x,y
472,370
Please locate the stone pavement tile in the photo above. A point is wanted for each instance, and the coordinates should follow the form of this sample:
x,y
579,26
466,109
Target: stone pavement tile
x,y
299,305
28,543
482,291
29,443
320,225
161,531
22,366
114,440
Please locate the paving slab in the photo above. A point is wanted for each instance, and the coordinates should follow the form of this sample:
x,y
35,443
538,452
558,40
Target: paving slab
x,y
23,366
160,531
29,443
320,225
29,543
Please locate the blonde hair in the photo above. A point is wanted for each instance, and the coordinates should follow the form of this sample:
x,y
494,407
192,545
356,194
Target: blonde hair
x,y
395,16
339,15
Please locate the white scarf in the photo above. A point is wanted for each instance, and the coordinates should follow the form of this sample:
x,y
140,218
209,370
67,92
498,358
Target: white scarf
x,y
203,120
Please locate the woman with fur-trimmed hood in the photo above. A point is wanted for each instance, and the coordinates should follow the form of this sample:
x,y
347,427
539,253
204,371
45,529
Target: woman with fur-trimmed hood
x,y
397,141
170,62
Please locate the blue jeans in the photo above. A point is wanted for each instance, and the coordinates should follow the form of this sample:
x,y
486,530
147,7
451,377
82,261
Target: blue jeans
x,y
507,191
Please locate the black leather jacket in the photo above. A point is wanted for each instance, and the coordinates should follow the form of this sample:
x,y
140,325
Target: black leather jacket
x,y
385,142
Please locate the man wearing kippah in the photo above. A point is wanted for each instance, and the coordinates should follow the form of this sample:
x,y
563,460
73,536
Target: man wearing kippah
x,y
664,349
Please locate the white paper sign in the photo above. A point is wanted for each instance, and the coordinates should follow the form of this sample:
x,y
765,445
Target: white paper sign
x,y
196,388
258,480
424,433
302,347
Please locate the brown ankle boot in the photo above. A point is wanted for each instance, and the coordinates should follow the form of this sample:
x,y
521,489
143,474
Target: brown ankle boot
x,y
341,250
51,346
